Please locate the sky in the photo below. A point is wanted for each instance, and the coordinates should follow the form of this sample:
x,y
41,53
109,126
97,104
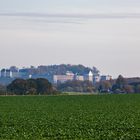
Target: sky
x,y
100,33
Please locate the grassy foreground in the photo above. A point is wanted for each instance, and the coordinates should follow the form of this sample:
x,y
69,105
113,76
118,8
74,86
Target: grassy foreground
x,y
70,117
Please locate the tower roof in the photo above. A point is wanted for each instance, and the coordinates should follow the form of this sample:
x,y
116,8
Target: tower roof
x,y
90,73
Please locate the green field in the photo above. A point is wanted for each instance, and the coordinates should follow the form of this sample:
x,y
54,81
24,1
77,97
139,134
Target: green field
x,y
70,117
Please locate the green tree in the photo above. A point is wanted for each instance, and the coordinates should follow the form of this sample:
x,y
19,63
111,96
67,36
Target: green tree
x,y
77,86
2,89
128,89
138,88
30,87
120,82
18,87
44,86
105,86
119,85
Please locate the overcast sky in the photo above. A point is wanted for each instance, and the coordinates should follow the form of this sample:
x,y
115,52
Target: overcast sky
x,y
101,33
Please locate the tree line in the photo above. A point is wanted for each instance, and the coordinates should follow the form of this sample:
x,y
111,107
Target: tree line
x,y
42,86
76,86
120,85
38,86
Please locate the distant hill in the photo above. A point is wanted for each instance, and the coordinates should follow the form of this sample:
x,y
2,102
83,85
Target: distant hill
x,y
49,71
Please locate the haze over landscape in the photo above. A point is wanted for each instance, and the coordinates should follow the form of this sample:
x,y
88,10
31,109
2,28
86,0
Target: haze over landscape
x,y
69,69
103,33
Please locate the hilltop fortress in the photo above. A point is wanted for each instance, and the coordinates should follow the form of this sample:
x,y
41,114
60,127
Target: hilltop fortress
x,y
54,73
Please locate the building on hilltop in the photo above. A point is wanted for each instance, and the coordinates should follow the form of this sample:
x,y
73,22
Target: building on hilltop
x,y
63,78
81,73
79,78
8,73
89,77
69,76
15,72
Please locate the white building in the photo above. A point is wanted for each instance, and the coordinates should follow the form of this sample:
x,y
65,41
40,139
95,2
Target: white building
x,y
63,78
8,73
3,73
71,76
89,77
15,72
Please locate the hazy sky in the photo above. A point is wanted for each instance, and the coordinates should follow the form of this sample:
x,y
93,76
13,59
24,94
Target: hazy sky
x,y
101,33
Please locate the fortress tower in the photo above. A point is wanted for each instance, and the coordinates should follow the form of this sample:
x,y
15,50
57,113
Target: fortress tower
x,y
89,77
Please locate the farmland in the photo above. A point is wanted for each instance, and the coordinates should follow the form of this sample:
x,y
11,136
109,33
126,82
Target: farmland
x,y
70,117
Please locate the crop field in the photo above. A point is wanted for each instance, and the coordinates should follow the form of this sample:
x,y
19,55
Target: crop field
x,y
70,117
